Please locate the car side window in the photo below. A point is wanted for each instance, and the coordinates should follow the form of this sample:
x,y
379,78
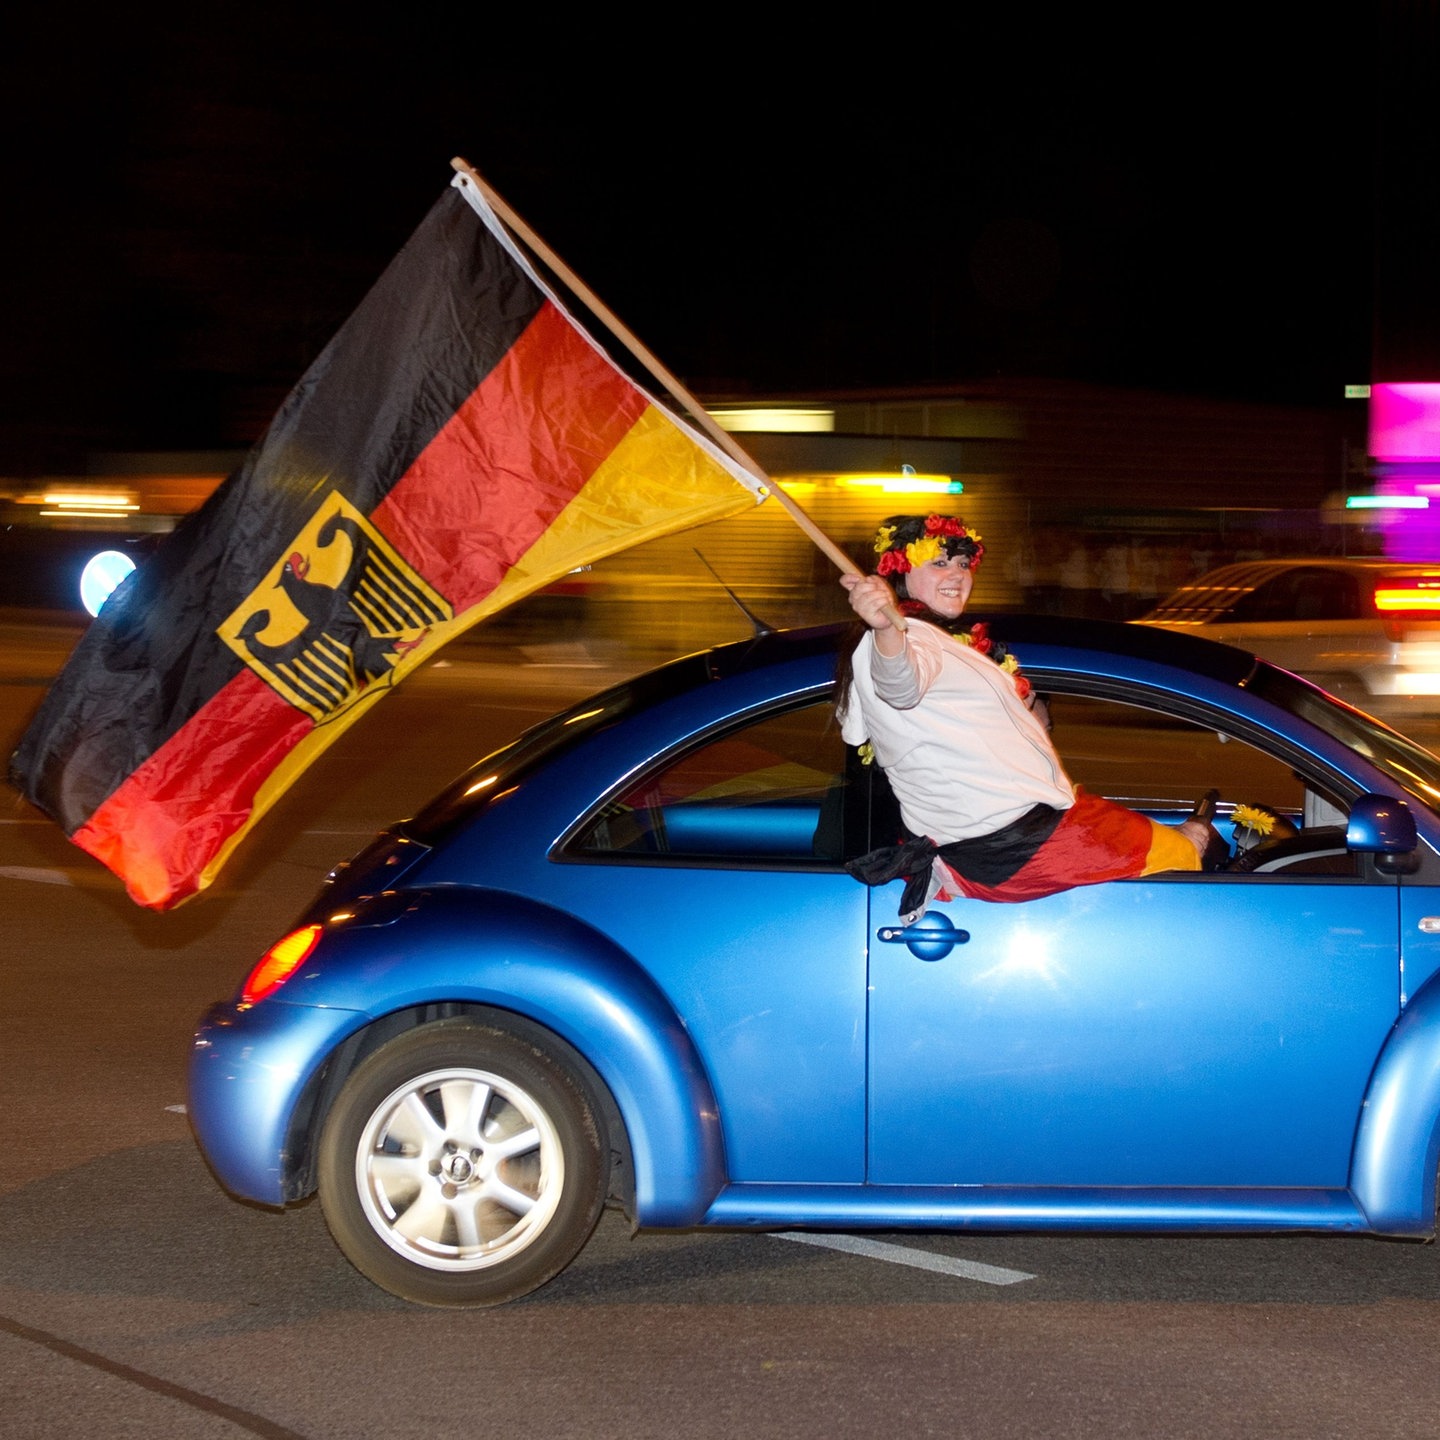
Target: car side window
x,y
1338,596
1161,764
763,793
1301,594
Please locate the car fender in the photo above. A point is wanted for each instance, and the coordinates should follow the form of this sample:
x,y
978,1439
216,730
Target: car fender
x,y
1397,1144
502,950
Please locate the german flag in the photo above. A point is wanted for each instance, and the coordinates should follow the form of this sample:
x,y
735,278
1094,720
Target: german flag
x,y
1095,840
459,444
1043,852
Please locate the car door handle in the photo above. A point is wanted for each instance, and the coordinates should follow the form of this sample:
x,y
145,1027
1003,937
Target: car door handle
x,y
931,937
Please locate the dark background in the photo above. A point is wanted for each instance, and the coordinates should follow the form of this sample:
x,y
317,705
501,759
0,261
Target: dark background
x,y
1218,204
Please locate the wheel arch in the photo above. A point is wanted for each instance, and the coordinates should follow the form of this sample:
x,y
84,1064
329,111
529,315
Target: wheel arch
x,y
316,1100
556,983
1397,1143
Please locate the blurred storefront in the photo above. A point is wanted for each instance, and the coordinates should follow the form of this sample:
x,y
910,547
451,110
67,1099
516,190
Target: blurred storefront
x,y
1090,501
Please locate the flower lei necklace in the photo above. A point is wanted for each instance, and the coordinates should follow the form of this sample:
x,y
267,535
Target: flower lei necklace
x,y
978,638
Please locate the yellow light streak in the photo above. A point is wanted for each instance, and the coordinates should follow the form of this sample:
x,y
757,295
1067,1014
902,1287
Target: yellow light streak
x,y
88,514
902,484
71,498
776,419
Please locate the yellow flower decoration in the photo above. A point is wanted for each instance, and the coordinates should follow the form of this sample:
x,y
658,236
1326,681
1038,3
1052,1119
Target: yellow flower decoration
x,y
867,753
921,552
1248,817
972,535
1010,664
884,538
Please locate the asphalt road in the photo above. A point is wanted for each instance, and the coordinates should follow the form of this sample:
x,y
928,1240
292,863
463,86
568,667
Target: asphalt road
x,y
136,1298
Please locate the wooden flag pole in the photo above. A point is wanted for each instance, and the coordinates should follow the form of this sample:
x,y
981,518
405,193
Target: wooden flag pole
x,y
681,395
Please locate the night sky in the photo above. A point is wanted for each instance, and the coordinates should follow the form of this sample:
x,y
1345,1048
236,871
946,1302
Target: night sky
x,y
196,203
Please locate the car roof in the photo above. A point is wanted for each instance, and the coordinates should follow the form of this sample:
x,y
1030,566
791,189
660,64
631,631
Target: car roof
x,y
1025,632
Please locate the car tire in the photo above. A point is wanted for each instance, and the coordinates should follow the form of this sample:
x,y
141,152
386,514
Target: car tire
x,y
461,1165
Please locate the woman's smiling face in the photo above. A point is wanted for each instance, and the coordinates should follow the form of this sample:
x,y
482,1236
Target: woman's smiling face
x,y
943,584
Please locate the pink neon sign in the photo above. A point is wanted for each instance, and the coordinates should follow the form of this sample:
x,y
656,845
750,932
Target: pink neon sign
x,y
1405,421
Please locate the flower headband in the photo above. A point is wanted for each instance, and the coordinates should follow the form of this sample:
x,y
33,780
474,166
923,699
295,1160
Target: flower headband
x,y
904,542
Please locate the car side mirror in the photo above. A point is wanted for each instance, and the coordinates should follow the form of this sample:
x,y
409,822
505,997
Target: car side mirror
x,y
1382,826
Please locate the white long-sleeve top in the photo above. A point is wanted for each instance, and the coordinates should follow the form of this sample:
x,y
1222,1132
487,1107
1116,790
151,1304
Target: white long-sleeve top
x,y
962,751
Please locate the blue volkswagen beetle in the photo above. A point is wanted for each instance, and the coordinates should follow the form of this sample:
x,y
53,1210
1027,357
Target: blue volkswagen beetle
x,y
621,960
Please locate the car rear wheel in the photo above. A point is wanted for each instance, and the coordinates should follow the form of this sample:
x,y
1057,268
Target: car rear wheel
x,y
461,1165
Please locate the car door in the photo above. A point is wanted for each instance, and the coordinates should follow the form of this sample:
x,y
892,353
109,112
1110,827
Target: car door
x,y
1181,1030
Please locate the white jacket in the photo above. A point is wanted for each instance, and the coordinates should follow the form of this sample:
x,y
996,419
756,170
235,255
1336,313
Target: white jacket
x,y
962,751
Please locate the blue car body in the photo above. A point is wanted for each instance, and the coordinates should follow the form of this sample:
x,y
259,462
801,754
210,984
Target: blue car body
x,y
651,888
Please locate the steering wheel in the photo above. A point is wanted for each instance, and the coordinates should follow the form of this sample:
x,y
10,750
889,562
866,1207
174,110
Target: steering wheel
x,y
1320,850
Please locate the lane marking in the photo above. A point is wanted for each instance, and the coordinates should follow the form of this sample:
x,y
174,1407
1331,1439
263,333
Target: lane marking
x,y
904,1255
38,874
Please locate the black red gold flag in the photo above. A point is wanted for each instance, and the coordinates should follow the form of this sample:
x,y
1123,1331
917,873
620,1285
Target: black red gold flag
x,y
459,444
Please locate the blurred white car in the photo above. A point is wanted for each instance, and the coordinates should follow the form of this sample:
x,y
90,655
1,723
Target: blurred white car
x,y
1368,630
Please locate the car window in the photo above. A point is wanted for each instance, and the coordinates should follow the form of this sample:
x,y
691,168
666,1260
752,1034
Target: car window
x,y
1161,764
783,791
1409,765
1134,754
771,791
1301,594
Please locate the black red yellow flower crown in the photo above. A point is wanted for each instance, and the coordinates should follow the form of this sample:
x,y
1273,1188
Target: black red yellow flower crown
x,y
904,542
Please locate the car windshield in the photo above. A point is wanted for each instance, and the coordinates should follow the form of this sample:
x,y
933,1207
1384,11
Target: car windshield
x,y
1410,765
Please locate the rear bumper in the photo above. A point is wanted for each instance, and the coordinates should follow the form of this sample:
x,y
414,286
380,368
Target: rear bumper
x,y
249,1068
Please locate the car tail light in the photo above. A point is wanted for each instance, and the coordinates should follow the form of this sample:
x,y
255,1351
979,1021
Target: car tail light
x,y
1407,599
280,962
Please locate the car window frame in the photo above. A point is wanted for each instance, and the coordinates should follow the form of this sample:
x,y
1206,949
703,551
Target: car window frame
x,y
567,848
1317,774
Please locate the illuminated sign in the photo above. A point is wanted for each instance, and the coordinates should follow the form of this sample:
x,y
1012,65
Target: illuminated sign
x,y
1405,421
776,420
905,483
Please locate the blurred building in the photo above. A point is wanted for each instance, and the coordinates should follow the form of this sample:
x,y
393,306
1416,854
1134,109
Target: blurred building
x,y
1090,501
1404,439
